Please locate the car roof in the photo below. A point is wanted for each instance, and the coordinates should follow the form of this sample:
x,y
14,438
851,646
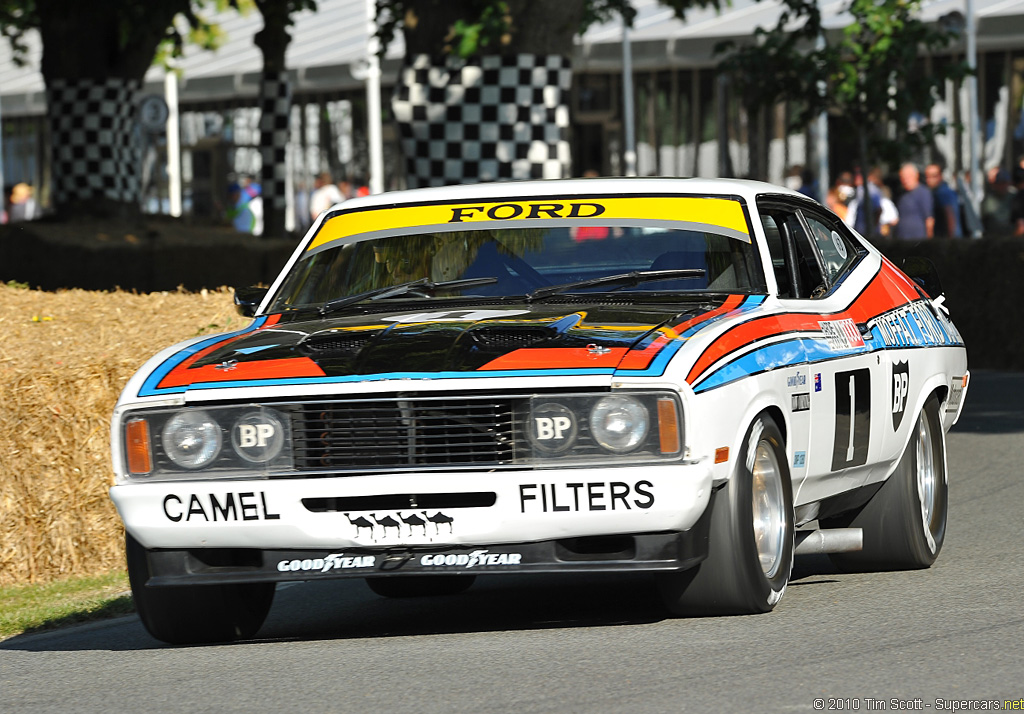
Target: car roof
x,y
742,188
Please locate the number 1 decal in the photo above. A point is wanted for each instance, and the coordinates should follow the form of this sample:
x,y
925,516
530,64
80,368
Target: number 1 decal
x,y
853,419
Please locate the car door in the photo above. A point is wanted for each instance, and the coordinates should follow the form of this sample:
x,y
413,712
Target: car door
x,y
815,264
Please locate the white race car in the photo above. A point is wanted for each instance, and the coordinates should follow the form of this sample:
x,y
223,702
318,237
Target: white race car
x,y
668,375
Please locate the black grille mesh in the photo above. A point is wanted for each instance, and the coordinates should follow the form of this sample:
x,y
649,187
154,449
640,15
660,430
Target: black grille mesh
x,y
395,433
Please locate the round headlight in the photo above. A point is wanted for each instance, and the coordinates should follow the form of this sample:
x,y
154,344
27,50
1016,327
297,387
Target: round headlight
x,y
191,439
619,423
258,436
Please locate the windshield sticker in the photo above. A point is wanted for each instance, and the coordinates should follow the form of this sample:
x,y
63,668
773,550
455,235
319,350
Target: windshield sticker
x,y
452,316
723,216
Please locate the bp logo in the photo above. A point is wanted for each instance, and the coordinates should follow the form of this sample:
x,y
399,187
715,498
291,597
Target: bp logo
x,y
553,427
900,389
258,437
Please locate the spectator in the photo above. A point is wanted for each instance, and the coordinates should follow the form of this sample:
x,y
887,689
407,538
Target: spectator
x,y
998,202
246,211
801,180
325,195
1017,209
857,217
23,205
946,204
840,195
916,208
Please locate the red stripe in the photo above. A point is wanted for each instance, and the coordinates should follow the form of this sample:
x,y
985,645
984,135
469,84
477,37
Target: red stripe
x,y
243,371
177,378
642,358
883,293
555,358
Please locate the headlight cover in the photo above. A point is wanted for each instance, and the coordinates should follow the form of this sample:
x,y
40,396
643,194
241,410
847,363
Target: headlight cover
x,y
634,426
221,442
191,439
620,423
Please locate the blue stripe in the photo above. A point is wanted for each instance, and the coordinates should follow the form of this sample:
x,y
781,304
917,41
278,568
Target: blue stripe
x,y
383,376
149,387
798,351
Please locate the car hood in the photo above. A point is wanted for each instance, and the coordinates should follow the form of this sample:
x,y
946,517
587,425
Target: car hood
x,y
432,341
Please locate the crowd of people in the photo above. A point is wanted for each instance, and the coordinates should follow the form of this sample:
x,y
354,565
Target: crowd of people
x,y
917,205
245,201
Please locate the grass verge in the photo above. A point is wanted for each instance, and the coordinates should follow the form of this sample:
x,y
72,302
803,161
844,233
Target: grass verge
x,y
35,608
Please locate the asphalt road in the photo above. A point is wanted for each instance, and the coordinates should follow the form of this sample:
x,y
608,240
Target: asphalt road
x,y
517,644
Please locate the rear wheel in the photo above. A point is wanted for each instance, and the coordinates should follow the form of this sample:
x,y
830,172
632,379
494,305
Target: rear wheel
x,y
421,585
193,614
750,542
905,521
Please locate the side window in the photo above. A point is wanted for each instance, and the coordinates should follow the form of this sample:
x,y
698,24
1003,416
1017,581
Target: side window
x,y
774,235
837,251
796,265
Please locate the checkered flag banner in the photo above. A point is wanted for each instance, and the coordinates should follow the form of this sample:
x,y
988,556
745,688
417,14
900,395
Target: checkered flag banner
x,y
485,119
275,112
92,132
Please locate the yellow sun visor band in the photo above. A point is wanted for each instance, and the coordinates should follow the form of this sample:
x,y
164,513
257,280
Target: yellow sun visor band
x,y
724,216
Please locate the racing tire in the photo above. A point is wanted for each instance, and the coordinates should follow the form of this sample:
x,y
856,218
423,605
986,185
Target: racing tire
x,y
750,538
421,586
904,523
195,614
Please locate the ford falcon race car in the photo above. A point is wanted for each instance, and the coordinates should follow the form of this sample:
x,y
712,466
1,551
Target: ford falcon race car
x,y
697,378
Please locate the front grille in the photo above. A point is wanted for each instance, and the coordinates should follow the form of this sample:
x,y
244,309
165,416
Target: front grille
x,y
395,433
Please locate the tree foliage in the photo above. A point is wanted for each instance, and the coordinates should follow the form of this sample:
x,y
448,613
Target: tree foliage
x,y
473,27
868,76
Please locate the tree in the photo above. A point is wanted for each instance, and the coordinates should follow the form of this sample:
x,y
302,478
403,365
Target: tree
x,y
868,78
275,105
460,53
93,64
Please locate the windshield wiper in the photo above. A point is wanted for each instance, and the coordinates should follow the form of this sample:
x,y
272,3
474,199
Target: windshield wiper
x,y
423,287
621,279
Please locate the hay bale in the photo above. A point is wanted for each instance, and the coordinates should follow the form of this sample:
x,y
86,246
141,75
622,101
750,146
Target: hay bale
x,y
64,359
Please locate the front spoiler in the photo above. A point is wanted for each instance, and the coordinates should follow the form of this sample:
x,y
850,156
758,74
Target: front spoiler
x,y
622,553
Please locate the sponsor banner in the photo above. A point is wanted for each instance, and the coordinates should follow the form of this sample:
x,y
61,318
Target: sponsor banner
x,y
796,380
841,334
915,325
956,393
393,526
218,507
585,496
801,401
332,561
473,559
720,215
900,389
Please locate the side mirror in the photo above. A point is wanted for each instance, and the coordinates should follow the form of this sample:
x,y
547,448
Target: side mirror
x,y
247,300
922,271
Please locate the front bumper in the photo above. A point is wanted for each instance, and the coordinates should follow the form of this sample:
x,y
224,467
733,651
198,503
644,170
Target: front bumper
x,y
623,553
415,510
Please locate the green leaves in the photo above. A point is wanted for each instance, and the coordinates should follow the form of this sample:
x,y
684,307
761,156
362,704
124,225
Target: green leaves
x,y
872,75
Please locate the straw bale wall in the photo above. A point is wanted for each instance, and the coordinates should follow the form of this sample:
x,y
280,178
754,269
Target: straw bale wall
x,y
64,358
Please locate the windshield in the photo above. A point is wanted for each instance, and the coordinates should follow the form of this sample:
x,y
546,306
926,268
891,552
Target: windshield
x,y
534,261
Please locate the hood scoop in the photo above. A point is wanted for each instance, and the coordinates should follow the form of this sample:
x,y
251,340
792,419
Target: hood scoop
x,y
336,343
510,338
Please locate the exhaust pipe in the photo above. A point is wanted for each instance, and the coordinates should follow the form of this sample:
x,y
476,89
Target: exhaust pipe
x,y
829,540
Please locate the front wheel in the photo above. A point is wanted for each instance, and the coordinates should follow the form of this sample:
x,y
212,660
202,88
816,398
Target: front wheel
x,y
750,541
194,614
905,521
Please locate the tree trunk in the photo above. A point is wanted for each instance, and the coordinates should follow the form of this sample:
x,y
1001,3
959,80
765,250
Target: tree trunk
x,y
865,169
93,65
275,114
502,114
